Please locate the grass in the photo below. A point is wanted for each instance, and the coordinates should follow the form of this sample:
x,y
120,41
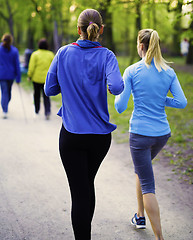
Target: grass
x,y
179,150
180,145
24,83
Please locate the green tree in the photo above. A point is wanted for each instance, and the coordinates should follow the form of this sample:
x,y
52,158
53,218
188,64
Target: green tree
x,y
7,12
57,21
61,18
177,28
189,59
106,13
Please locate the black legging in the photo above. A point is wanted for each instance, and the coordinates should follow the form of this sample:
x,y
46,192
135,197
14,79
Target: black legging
x,y
38,88
81,156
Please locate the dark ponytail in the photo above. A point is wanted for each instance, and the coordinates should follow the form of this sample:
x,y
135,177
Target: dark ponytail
x,y
7,40
90,22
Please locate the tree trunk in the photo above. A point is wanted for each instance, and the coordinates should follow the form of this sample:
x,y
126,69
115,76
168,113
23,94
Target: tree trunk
x,y
127,36
177,30
10,18
138,27
154,14
11,25
56,37
30,35
189,59
107,37
138,12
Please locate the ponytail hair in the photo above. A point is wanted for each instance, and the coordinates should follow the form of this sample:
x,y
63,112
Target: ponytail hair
x,y
151,41
7,40
92,31
90,22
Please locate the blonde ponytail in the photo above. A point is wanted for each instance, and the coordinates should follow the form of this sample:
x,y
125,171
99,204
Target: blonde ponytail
x,y
92,31
151,41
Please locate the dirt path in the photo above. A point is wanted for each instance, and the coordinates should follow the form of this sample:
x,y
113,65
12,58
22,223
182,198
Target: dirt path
x,y
34,195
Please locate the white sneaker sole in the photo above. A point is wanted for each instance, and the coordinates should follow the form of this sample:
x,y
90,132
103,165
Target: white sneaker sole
x,y
140,226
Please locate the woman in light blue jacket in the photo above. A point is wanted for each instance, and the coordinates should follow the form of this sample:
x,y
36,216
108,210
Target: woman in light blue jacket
x,y
149,81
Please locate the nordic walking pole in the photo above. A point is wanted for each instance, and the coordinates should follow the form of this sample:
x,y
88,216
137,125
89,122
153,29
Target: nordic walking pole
x,y
24,112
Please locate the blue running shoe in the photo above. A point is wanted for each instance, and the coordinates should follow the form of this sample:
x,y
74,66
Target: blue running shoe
x,y
139,223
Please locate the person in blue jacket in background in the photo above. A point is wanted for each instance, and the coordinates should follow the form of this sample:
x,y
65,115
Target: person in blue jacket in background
x,y
149,81
9,70
81,72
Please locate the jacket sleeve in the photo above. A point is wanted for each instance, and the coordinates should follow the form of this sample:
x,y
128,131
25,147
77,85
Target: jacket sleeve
x,y
113,75
17,64
121,101
31,67
179,100
52,87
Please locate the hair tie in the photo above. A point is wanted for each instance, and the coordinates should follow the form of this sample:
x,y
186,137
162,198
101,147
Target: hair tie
x,y
90,23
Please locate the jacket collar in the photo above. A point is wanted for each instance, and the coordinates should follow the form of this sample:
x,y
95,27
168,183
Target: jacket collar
x,y
88,44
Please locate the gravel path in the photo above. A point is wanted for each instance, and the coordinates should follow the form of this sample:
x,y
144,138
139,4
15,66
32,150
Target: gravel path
x,y
34,194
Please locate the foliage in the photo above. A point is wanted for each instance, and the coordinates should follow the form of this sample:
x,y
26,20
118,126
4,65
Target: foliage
x,y
57,20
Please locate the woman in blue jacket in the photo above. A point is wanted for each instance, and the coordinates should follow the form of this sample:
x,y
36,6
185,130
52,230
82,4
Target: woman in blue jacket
x,y
81,72
149,81
9,70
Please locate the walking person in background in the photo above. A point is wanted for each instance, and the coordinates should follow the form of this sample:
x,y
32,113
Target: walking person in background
x,y
149,81
39,64
9,70
184,47
81,72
